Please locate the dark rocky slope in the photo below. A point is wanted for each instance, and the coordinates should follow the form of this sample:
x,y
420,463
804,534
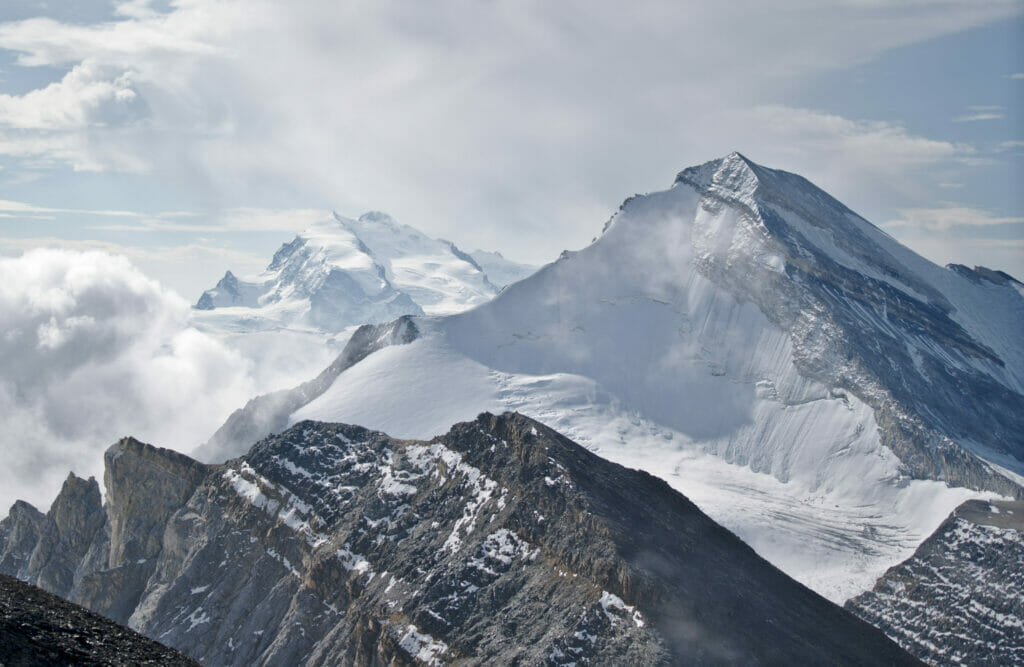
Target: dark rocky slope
x,y
39,628
960,598
501,542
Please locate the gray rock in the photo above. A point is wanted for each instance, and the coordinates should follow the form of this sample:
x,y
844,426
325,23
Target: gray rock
x,y
960,598
66,535
19,534
501,542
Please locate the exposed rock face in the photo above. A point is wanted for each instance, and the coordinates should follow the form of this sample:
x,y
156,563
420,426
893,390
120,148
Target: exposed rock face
x,y
38,628
960,598
49,550
499,542
69,529
269,413
19,534
139,513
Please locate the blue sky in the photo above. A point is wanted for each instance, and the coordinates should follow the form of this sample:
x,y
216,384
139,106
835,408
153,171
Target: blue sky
x,y
196,136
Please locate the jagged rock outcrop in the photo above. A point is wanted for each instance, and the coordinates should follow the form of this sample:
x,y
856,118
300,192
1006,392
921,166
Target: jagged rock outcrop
x,y
39,628
19,535
960,598
48,550
499,542
65,536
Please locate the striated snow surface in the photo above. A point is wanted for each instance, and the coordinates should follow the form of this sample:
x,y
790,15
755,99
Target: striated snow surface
x,y
786,365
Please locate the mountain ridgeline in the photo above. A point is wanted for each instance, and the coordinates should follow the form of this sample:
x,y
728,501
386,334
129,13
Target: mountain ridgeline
x,y
501,541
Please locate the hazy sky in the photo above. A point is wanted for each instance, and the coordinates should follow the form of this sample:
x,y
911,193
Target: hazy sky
x,y
184,134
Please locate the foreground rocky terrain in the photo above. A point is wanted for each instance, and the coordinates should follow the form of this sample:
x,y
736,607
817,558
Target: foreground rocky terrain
x,y
500,541
38,628
960,598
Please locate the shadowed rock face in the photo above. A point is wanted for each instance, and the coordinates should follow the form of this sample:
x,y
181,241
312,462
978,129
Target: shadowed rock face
x,y
501,541
38,628
958,599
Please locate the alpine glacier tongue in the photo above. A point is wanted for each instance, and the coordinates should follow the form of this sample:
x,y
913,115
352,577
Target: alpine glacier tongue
x,y
813,385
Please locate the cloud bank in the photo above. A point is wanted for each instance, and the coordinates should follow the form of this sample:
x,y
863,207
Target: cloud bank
x,y
92,350
484,121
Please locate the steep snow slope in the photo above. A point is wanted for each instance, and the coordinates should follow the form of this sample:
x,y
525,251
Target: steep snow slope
x,y
810,383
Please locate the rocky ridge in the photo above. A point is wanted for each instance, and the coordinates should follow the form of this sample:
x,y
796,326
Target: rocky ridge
x,y
501,541
960,598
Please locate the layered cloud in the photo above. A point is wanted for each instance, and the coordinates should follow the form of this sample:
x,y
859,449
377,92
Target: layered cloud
x,y
466,119
92,350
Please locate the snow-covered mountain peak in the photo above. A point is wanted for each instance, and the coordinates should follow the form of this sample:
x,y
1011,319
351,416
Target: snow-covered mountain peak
x,y
734,177
341,272
743,318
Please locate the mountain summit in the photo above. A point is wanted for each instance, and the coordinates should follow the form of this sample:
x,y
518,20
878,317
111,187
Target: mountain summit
x,y
342,272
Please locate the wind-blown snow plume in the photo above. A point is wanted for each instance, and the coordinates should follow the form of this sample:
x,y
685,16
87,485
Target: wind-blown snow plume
x,y
92,350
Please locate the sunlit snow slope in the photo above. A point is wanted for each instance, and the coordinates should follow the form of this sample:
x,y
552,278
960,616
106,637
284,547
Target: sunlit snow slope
x,y
810,383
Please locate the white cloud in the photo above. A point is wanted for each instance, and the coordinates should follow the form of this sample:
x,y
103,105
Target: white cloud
x,y
944,218
1015,75
189,269
17,207
985,115
86,97
480,122
92,350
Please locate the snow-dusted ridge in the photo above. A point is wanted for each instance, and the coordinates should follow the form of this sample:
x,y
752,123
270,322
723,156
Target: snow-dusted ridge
x,y
812,384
